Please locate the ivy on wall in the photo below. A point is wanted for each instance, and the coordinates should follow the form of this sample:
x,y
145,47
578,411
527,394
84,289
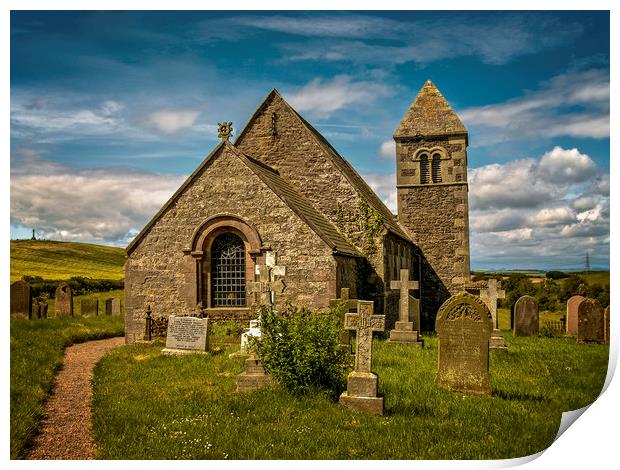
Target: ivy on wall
x,y
362,226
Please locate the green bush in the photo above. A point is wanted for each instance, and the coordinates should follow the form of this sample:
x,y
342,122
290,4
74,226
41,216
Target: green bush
x,y
301,350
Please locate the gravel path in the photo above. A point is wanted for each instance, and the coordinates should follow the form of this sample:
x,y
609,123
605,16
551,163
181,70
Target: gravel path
x,y
65,432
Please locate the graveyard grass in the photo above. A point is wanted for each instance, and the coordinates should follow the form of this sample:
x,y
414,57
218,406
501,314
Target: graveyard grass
x,y
63,260
149,406
36,354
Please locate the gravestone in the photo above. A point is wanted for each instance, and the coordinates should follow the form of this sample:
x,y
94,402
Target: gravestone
x,y
607,325
116,307
361,392
464,325
590,322
252,332
63,301
489,296
253,376
89,307
571,314
348,305
36,310
21,300
43,309
113,306
407,328
187,335
526,316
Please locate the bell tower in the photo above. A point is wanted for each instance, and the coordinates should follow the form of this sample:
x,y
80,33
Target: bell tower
x,y
431,182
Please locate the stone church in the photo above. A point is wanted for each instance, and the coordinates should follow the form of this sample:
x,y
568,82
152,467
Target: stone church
x,y
282,196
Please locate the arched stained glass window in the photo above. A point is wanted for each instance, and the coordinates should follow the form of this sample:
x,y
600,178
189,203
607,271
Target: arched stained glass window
x,y
436,168
424,173
228,271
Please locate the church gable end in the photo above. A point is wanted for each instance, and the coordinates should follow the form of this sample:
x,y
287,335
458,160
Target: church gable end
x,y
169,266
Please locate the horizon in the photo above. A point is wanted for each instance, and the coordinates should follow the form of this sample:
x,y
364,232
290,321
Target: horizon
x,y
111,111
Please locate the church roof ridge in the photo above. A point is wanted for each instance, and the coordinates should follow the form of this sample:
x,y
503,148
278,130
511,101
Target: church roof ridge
x,y
429,115
281,188
390,221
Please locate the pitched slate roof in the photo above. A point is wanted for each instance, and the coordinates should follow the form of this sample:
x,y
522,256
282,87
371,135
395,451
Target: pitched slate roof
x,y
342,164
430,115
284,190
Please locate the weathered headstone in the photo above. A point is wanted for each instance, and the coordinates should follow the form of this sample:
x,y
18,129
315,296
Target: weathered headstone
x,y
464,325
253,376
571,314
489,296
36,310
407,328
63,303
361,393
43,309
348,305
590,322
112,305
607,325
252,332
21,300
89,307
526,316
187,335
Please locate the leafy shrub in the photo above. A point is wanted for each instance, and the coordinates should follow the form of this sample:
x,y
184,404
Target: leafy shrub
x,y
556,275
300,349
79,285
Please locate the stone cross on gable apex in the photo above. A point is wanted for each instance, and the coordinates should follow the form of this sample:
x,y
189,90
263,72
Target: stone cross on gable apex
x,y
364,323
490,295
266,285
405,285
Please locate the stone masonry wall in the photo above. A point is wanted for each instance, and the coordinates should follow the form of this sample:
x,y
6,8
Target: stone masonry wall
x,y
154,272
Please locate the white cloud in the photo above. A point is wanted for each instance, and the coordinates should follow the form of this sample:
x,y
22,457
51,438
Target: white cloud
x,y
101,206
322,98
539,212
575,104
171,121
387,151
385,187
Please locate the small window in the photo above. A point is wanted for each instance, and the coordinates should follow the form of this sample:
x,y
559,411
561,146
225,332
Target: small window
x,y
424,173
436,168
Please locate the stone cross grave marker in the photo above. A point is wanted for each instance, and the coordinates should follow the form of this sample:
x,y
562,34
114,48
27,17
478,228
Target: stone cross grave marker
x,y
267,285
407,329
63,302
526,316
43,309
361,393
607,325
348,305
489,296
591,322
572,305
89,307
21,300
36,310
187,335
464,325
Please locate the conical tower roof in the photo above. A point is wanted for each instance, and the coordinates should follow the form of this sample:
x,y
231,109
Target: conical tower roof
x,y
430,115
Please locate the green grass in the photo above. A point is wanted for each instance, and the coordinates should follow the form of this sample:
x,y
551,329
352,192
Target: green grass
x,y
63,260
149,406
36,354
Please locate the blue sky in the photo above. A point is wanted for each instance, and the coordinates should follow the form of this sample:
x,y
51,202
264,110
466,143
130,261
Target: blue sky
x,y
110,111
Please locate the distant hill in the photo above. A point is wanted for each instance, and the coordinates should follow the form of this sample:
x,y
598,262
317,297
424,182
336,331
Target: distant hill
x,y
63,260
